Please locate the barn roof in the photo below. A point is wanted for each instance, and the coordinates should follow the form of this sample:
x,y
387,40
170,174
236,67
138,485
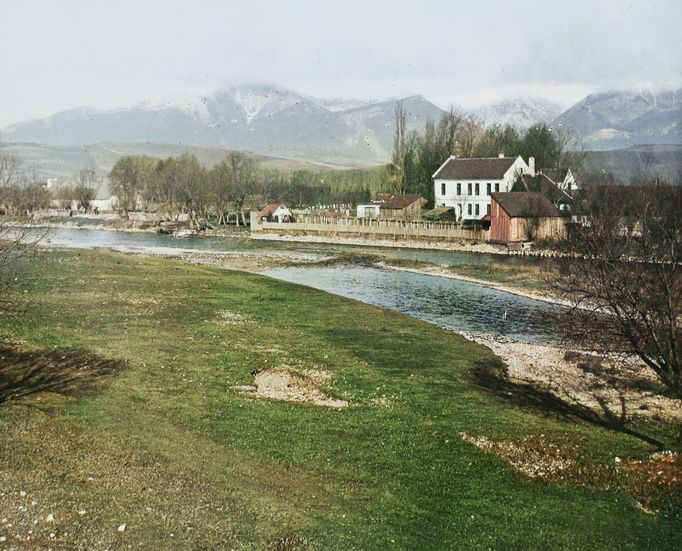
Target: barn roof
x,y
526,204
492,168
269,210
396,201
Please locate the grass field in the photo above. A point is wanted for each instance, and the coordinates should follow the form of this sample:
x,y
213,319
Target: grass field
x,y
167,448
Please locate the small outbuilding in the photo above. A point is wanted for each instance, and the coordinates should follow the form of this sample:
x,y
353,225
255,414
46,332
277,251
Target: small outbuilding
x,y
525,216
275,212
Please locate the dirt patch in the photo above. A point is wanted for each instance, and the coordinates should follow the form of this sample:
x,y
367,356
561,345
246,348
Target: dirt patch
x,y
655,482
536,456
286,383
608,385
25,371
232,318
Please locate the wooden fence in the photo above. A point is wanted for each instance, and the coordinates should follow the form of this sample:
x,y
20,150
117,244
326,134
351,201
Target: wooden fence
x,y
371,228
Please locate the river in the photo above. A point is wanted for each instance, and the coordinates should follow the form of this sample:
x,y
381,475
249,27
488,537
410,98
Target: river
x,y
457,305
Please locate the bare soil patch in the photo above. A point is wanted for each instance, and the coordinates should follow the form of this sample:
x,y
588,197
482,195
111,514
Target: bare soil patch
x,y
288,384
609,385
655,482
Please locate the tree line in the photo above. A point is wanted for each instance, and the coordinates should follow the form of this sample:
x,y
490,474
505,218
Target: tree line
x,y
214,194
417,155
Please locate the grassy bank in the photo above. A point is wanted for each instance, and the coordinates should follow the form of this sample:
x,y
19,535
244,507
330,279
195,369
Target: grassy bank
x,y
169,449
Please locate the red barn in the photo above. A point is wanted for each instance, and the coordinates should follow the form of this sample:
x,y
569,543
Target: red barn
x,y
524,216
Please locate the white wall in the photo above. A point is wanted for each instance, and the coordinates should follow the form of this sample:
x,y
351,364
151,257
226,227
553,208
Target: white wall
x,y
461,202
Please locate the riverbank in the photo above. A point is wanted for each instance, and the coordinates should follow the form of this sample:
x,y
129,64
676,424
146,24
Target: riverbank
x,y
172,451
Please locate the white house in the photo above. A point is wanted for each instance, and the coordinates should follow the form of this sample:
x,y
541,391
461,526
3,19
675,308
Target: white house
x,y
465,184
368,210
563,179
275,212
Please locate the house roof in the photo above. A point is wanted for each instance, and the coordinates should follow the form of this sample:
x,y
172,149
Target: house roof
x,y
381,197
269,210
544,185
557,175
396,201
526,204
492,168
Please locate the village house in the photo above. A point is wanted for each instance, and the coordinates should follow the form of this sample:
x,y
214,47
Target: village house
x,y
392,207
563,178
545,185
524,216
275,212
467,184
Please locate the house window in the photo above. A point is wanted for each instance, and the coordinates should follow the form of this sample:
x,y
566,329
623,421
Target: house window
x,y
459,189
442,188
497,186
469,207
477,210
469,185
487,209
477,189
488,188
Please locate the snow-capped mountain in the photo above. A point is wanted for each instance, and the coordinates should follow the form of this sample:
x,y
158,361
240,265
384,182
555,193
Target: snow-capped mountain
x,y
519,112
264,119
276,121
610,120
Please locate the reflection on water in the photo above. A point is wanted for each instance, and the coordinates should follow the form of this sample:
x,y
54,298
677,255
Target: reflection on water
x,y
449,303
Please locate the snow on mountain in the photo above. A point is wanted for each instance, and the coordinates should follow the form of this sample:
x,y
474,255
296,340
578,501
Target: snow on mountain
x,y
519,112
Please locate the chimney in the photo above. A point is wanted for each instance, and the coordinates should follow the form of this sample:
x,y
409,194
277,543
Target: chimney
x,y
501,155
531,165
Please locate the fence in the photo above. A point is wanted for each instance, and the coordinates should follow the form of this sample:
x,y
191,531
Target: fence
x,y
370,228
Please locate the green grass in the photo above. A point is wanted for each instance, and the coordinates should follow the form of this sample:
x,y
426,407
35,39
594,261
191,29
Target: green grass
x,y
168,448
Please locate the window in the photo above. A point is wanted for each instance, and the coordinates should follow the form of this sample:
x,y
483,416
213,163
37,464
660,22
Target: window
x,y
469,207
497,186
477,189
459,189
477,210
442,188
469,189
487,209
488,188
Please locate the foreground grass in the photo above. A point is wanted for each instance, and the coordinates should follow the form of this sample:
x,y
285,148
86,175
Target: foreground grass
x,y
171,451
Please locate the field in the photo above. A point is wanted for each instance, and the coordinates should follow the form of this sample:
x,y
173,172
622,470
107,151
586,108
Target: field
x,y
167,447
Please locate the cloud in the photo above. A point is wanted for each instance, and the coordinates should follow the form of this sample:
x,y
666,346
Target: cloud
x,y
107,54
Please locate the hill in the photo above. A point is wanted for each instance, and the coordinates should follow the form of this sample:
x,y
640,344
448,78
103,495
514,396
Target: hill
x,y
264,119
62,162
622,119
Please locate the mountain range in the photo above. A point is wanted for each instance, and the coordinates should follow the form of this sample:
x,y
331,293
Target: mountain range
x,y
279,122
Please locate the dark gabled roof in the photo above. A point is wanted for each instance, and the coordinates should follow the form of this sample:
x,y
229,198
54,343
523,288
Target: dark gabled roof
x,y
558,175
526,204
381,197
269,210
397,201
542,184
493,168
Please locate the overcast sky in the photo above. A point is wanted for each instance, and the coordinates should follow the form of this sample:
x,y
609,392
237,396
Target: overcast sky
x,y
60,54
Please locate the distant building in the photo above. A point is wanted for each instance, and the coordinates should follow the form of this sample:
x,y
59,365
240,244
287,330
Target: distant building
x,y
563,178
392,207
545,185
524,216
275,212
467,184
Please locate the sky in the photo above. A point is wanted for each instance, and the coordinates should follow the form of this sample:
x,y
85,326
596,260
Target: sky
x,y
56,55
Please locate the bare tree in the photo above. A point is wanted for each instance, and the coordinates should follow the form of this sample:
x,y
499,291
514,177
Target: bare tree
x,y
627,286
87,187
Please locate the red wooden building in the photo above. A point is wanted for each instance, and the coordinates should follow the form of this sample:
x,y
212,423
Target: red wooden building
x,y
524,216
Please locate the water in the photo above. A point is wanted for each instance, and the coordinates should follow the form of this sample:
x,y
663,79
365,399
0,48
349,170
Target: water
x,y
458,305
452,304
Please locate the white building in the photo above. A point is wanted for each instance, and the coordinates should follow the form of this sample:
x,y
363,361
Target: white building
x,y
465,184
